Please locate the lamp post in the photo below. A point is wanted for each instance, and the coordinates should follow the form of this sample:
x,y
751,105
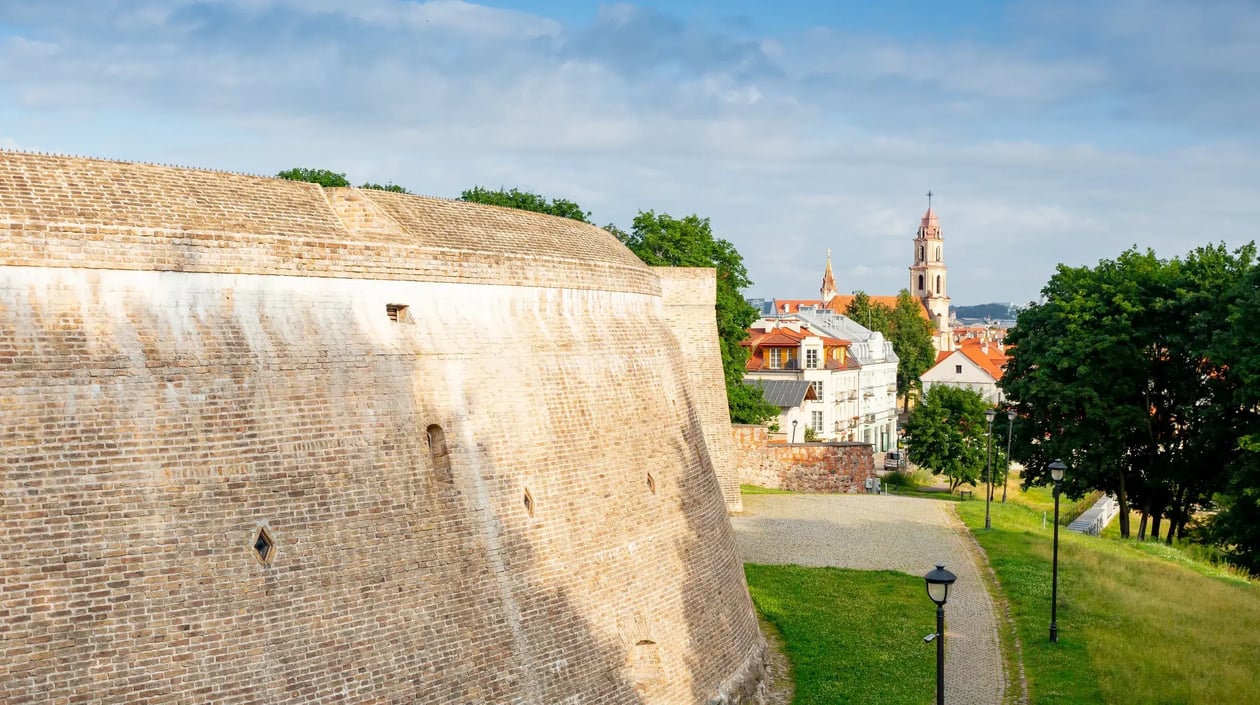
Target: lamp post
x,y
794,421
938,582
988,469
1010,424
1056,474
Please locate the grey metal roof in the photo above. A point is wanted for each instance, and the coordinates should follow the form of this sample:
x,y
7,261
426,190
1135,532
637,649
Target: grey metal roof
x,y
784,393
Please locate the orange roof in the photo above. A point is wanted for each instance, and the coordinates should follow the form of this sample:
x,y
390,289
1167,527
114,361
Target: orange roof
x,y
784,338
993,361
779,337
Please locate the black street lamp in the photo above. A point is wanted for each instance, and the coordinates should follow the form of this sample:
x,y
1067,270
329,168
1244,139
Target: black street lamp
x,y
988,469
1010,424
1056,474
793,430
938,582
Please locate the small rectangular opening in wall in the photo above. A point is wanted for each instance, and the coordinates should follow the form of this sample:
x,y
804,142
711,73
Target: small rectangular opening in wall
x,y
398,313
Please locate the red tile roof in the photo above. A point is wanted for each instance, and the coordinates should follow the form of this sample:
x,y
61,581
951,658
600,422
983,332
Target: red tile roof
x,y
759,338
992,361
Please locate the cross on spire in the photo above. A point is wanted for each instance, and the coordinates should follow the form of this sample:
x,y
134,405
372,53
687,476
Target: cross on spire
x,y
929,200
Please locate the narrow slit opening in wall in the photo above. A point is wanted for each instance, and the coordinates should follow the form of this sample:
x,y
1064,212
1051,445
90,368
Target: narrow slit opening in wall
x,y
440,454
264,545
651,483
398,313
529,503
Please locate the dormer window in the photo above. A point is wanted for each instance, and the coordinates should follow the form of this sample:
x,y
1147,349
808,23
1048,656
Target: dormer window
x,y
811,358
776,358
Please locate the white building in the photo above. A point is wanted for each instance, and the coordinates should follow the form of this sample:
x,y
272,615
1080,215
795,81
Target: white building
x,y
975,364
851,369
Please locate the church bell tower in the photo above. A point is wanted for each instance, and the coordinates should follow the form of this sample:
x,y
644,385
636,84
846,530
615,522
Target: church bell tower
x,y
928,277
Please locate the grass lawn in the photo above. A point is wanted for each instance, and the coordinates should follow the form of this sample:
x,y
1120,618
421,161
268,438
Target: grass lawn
x,y
1138,622
851,636
753,489
1134,626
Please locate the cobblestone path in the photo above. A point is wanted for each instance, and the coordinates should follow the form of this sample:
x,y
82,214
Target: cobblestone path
x,y
871,532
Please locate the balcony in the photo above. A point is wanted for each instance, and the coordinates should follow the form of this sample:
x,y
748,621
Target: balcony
x,y
791,365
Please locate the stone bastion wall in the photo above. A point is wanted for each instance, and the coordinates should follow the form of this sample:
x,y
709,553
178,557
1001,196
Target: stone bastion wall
x,y
689,294
266,443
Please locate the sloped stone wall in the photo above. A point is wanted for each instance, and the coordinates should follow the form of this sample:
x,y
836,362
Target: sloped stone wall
x,y
466,490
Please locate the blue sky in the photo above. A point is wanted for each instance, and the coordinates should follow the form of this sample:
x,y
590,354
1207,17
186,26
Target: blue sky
x,y
1050,132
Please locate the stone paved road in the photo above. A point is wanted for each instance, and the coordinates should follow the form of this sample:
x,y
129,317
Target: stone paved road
x,y
870,532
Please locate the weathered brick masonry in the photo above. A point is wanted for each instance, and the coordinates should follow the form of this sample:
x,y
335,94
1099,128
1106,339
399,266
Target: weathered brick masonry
x,y
444,415
800,467
689,293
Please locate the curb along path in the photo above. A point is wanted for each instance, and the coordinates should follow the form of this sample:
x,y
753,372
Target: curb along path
x,y
868,532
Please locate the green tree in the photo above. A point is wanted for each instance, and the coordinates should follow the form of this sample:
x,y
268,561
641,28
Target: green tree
x,y
1120,372
911,336
323,177
872,314
525,201
392,187
664,241
906,328
945,434
1079,373
1232,319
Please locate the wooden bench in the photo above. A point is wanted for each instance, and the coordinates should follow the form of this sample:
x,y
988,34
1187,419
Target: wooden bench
x,y
965,494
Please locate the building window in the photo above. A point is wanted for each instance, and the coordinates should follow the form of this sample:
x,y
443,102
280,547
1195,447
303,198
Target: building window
x,y
776,358
816,420
938,283
957,369
818,388
811,359
920,283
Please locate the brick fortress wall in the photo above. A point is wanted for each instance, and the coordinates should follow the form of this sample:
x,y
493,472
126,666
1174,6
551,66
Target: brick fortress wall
x,y
800,467
689,295
457,492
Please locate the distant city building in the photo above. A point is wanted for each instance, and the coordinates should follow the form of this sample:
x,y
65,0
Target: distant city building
x,y
850,372
927,277
976,363
927,283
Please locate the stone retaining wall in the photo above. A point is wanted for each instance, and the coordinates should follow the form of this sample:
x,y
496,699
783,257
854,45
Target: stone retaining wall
x,y
800,467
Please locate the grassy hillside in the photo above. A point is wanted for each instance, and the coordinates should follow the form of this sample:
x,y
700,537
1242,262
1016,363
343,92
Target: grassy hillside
x,y
1138,623
1134,626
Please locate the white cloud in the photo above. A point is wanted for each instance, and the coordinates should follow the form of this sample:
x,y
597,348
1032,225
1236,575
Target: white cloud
x,y
792,144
